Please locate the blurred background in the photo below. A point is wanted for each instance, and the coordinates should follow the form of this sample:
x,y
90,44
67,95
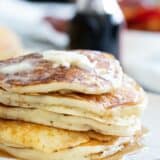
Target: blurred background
x,y
129,29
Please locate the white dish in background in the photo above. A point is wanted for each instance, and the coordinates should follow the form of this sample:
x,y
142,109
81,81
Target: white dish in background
x,y
141,57
31,25
151,120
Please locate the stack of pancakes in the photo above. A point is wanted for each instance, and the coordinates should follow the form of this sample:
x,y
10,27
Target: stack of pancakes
x,y
69,105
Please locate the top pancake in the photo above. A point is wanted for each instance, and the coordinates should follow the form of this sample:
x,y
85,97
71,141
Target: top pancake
x,y
38,75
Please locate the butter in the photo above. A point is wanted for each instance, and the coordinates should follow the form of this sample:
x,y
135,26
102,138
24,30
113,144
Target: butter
x,y
15,68
68,59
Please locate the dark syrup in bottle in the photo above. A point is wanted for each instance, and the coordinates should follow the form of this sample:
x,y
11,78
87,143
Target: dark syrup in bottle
x,y
97,28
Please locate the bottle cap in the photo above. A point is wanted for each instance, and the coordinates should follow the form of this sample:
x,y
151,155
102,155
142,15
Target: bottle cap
x,y
90,6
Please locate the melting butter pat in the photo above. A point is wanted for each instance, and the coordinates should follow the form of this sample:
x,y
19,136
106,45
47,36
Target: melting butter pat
x,y
68,59
15,68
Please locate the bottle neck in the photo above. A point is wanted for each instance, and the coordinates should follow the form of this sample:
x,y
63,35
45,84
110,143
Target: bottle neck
x,y
89,6
110,7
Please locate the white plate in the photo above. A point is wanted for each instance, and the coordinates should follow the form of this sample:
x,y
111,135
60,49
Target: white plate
x,y
151,120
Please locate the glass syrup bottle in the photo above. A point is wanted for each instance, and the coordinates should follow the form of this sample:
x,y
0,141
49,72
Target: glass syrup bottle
x,y
97,25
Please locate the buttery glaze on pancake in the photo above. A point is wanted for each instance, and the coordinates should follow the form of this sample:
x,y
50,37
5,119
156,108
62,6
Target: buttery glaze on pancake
x,y
19,137
40,76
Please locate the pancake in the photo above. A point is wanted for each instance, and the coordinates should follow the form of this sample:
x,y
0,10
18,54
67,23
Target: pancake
x,y
30,154
31,141
117,113
89,72
120,126
129,95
